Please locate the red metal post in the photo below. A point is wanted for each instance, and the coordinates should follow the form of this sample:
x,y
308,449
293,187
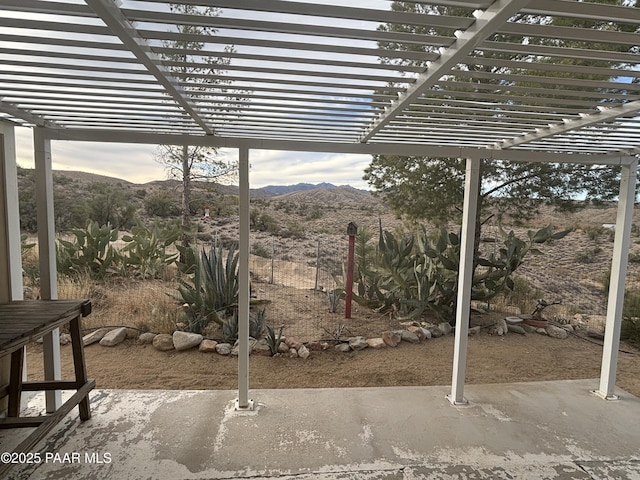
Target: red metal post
x,y
352,231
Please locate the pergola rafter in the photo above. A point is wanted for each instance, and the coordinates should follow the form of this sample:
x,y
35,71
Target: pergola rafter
x,y
316,76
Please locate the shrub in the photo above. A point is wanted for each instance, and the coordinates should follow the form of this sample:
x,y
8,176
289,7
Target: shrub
x,y
630,329
161,204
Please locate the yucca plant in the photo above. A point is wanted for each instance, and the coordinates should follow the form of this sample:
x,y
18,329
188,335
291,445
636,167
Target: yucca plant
x,y
273,340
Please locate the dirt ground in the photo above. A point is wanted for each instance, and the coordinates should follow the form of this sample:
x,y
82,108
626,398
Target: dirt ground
x,y
491,359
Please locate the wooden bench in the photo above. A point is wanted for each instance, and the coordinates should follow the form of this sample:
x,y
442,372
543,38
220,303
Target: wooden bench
x,y
22,322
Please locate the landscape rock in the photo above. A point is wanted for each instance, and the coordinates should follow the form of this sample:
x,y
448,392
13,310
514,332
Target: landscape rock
x,y
445,328
420,332
283,348
186,340
501,326
343,347
358,343
392,339
293,342
262,348
315,346
303,352
163,342
542,331
595,334
224,348
567,327
435,331
475,330
235,351
114,337
517,329
376,343
65,339
146,338
557,332
94,336
529,328
293,353
408,336
208,346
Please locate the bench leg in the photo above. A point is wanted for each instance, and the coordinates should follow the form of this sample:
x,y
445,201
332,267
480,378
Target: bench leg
x,y
15,383
79,366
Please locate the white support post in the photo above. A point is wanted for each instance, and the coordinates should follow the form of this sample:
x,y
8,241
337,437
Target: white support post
x,y
243,402
626,201
465,278
11,287
47,258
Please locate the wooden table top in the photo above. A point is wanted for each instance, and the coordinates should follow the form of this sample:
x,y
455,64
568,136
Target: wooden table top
x,y
24,321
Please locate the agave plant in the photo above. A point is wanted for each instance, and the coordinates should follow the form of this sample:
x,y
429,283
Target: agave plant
x,y
211,290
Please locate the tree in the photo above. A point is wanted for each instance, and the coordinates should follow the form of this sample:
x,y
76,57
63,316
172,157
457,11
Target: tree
x,y
200,72
427,188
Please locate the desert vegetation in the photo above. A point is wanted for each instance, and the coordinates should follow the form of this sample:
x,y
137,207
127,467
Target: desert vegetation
x,y
132,269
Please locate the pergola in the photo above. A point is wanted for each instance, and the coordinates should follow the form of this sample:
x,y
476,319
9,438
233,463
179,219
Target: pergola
x,y
308,76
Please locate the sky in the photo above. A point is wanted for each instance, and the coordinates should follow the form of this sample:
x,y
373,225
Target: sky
x,y
136,163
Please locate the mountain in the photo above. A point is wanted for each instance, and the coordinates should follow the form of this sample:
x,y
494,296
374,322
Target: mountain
x,y
282,189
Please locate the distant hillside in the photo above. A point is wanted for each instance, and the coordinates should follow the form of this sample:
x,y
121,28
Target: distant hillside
x,y
86,177
331,196
282,189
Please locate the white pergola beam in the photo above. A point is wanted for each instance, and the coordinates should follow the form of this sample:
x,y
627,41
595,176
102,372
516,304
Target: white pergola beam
x,y
47,259
22,114
465,279
626,200
390,148
486,24
604,115
243,402
122,28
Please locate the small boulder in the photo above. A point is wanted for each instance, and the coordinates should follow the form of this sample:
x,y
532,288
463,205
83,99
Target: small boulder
x,y
314,346
501,327
528,328
262,348
293,353
293,342
343,347
94,336
223,348
408,336
163,342
595,334
541,331
65,339
420,332
435,331
283,348
446,328
186,340
557,332
376,342
358,343
114,337
207,346
303,352
516,329
474,331
392,339
146,338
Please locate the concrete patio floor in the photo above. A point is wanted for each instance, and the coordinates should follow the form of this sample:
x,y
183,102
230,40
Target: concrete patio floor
x,y
543,430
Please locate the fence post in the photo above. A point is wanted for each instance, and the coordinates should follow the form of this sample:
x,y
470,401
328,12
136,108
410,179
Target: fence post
x,y
317,265
352,231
